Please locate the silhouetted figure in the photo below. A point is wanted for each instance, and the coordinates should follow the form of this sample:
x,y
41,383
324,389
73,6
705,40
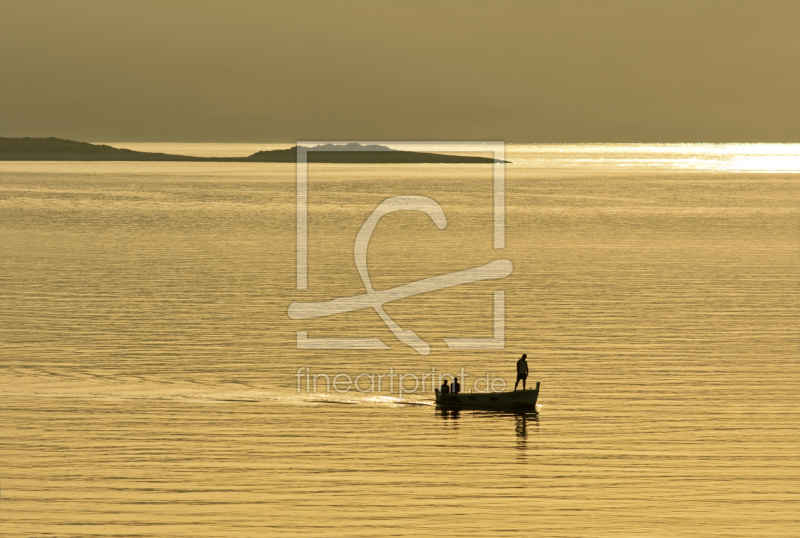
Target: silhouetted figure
x,y
456,386
522,371
445,388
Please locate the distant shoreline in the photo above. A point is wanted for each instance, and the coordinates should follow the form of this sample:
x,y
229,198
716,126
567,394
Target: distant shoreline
x,y
59,149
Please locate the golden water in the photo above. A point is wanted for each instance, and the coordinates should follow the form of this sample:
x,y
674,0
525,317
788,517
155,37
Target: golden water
x,y
147,361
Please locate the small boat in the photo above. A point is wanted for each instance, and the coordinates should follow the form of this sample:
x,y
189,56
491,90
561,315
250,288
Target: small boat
x,y
515,399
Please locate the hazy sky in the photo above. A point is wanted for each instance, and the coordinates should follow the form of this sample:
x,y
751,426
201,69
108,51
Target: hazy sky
x,y
533,71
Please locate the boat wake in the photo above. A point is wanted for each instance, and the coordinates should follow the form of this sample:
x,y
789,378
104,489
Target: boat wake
x,y
86,386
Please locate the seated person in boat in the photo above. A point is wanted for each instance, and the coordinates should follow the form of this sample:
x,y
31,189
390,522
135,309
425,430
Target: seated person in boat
x,y
522,371
455,386
445,389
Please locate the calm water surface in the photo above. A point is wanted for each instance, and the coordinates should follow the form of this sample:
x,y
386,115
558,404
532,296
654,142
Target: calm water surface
x,y
147,360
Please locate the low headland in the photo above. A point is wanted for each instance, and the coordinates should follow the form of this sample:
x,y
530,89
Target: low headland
x,y
59,149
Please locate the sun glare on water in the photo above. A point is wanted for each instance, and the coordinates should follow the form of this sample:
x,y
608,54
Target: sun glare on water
x,y
757,158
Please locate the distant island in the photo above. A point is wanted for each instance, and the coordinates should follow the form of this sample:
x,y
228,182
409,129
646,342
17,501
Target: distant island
x,y
59,149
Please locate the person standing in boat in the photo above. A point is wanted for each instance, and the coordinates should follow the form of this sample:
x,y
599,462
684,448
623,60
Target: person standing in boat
x,y
455,386
522,371
445,389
